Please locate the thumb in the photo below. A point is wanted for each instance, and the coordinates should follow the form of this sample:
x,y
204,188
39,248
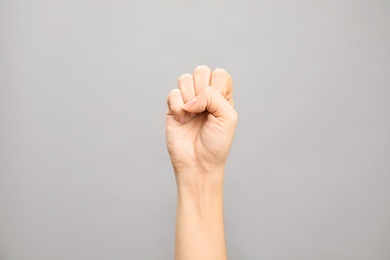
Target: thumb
x,y
214,102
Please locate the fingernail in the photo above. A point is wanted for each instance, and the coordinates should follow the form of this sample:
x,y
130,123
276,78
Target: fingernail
x,y
189,104
192,115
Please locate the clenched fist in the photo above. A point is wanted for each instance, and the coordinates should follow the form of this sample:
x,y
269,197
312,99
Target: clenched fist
x,y
200,121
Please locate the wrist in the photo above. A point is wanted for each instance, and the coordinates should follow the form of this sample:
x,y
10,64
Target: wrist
x,y
201,192
200,180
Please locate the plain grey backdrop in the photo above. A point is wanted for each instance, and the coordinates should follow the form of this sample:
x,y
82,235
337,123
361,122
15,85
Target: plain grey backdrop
x,y
84,171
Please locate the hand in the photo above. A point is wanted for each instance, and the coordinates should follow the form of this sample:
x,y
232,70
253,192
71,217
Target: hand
x,y
200,121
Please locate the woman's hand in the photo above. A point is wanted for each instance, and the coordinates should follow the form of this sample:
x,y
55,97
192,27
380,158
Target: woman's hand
x,y
200,121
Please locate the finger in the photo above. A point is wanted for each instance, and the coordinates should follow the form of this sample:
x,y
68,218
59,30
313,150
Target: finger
x,y
175,103
202,76
214,102
186,86
222,81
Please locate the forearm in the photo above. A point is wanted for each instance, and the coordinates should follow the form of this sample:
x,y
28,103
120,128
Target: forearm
x,y
199,217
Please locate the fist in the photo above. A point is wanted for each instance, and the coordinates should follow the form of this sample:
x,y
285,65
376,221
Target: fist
x,y
201,121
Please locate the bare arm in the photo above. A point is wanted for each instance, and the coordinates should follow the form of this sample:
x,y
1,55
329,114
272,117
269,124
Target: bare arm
x,y
201,122
199,221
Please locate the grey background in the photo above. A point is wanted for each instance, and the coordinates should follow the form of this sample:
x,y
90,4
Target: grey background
x,y
84,169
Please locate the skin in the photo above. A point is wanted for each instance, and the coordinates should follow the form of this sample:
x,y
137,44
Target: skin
x,y
200,125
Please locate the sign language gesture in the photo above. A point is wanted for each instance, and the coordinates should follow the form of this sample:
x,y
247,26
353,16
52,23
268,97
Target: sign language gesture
x,y
200,121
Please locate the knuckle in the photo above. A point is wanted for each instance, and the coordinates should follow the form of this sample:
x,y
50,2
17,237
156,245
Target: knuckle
x,y
184,77
220,72
174,92
171,95
202,69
